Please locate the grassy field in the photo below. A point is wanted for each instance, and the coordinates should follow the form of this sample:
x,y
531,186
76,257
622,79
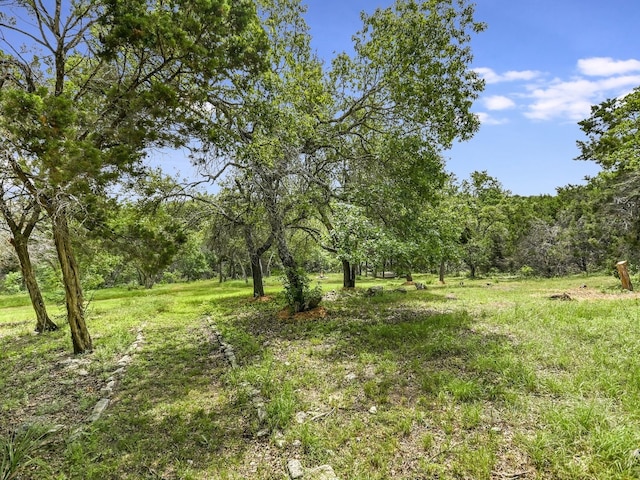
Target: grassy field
x,y
485,379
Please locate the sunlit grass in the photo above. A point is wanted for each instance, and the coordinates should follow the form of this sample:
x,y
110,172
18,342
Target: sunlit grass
x,y
472,379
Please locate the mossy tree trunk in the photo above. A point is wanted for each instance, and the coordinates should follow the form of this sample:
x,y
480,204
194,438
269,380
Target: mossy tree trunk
x,y
43,322
74,298
21,231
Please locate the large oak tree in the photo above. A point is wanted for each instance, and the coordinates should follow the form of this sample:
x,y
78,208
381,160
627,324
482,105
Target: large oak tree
x,y
88,85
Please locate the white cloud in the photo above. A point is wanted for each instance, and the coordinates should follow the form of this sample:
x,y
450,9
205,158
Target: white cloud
x,y
487,119
490,76
564,99
572,99
607,66
498,102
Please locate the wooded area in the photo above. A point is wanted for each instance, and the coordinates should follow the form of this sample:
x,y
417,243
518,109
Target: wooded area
x,y
309,172
314,166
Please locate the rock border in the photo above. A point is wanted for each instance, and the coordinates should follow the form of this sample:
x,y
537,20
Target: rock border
x,y
108,389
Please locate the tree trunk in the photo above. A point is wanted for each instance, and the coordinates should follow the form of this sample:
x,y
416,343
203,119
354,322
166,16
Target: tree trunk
x,y
348,275
220,278
295,278
256,274
43,322
409,277
624,275
244,273
442,269
255,256
71,278
21,232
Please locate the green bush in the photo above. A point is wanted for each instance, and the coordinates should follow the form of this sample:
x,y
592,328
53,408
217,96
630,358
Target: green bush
x,y
13,282
301,301
527,271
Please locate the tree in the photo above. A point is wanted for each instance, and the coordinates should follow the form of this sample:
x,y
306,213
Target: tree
x,y
613,134
101,81
485,227
148,237
314,134
613,142
22,214
353,237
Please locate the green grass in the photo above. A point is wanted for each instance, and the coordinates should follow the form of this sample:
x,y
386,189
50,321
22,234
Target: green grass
x,y
468,380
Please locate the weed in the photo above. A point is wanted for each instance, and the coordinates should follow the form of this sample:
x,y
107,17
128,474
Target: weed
x,y
19,450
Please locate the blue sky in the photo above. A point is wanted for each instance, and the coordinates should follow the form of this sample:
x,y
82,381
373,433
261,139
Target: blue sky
x,y
545,63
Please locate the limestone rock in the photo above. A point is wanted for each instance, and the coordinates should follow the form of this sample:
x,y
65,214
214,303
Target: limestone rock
x,y
100,407
295,469
323,472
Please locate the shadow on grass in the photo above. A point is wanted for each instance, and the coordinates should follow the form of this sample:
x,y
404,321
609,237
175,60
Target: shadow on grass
x,y
442,350
171,415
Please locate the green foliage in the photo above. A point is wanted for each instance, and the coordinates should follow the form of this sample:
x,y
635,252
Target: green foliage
x,y
300,296
613,133
526,271
13,282
148,240
19,448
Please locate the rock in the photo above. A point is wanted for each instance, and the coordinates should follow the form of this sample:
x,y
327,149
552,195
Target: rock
x,y
323,472
420,286
373,410
119,371
278,439
106,391
301,417
262,414
100,407
294,467
372,291
126,360
262,433
82,372
350,377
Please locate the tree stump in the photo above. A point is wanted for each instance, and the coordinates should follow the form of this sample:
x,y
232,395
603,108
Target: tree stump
x,y
623,271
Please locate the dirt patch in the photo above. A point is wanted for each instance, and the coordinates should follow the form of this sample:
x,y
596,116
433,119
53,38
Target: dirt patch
x,y
313,314
586,293
263,299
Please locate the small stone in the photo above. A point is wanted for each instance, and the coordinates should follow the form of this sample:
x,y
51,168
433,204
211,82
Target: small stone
x,y
295,469
278,439
350,377
262,433
100,407
262,414
106,391
126,360
296,443
373,410
323,472
82,372
301,417
119,371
